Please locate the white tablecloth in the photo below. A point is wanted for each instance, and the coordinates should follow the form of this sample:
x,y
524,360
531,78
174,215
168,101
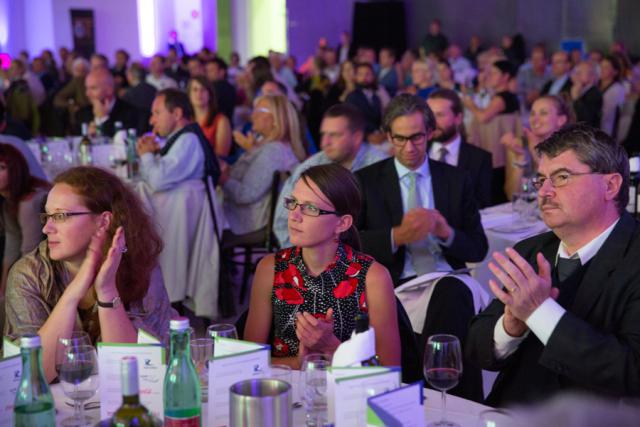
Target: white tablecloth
x,y
462,411
503,230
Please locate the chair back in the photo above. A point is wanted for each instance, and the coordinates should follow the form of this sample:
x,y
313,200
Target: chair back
x,y
279,177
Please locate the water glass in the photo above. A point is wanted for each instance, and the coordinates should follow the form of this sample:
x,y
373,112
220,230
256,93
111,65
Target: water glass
x,y
495,418
315,368
280,372
201,354
79,379
75,339
225,330
442,368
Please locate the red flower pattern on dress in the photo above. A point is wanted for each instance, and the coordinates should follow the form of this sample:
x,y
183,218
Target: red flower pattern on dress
x,y
289,295
280,348
353,269
320,316
362,304
289,276
348,252
345,288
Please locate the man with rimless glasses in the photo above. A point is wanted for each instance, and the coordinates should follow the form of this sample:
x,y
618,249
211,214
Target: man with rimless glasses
x,y
420,216
567,309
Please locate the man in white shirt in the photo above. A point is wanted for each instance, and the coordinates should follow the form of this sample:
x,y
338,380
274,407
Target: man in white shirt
x,y
567,313
185,155
560,81
156,77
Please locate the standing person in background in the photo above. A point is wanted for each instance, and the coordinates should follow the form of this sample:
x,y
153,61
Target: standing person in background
x,y
22,197
435,43
613,94
587,99
214,124
501,116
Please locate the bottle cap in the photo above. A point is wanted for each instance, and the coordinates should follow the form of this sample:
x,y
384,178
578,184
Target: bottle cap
x,y
129,375
362,322
179,324
30,341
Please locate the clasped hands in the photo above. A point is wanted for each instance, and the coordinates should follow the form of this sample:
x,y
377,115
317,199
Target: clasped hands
x,y
524,289
418,223
147,144
315,335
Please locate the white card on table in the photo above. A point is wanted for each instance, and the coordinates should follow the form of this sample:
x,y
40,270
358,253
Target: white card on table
x,y
151,370
349,388
233,361
10,374
145,337
402,407
9,347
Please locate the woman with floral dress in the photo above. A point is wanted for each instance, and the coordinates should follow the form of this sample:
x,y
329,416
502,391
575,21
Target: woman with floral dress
x,y
310,294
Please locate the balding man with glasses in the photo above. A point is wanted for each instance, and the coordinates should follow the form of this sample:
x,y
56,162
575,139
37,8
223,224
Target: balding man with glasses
x,y
567,309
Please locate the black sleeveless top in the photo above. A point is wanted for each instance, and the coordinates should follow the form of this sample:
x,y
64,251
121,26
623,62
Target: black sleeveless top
x,y
341,287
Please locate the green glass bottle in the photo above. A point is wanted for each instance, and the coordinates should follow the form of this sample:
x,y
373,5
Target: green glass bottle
x,y
181,385
33,405
132,413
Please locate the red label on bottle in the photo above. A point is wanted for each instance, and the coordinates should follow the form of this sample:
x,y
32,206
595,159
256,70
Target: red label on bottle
x,y
182,422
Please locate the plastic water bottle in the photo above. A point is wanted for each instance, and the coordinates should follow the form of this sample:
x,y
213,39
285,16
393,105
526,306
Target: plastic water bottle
x,y
181,385
34,404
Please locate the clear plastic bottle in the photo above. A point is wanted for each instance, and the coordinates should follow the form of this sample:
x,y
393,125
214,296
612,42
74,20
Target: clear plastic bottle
x,y
182,407
34,404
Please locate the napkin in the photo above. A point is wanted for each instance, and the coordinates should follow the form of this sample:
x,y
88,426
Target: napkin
x,y
359,347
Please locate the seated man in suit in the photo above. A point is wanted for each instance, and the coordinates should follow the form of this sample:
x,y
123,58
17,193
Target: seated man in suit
x,y
560,69
567,313
420,216
447,144
104,109
365,98
587,98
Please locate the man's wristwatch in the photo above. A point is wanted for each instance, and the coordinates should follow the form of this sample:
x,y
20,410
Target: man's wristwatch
x,y
114,303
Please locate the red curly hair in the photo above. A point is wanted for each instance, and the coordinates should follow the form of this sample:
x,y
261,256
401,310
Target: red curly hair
x,y
103,191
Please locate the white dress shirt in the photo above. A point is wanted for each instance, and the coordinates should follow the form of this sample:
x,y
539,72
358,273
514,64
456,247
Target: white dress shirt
x,y
425,191
557,84
546,317
162,82
452,147
184,161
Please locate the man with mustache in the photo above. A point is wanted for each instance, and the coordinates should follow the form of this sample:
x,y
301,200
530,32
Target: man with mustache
x,y
448,144
567,313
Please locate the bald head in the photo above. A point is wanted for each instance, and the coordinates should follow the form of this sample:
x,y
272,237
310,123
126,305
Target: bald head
x,y
100,85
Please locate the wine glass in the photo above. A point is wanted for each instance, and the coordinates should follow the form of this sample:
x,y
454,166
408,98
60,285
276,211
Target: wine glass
x,y
314,368
225,330
442,368
201,354
79,379
75,339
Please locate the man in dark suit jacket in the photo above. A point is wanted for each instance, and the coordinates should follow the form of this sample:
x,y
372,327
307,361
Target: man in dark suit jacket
x,y
568,315
365,98
448,145
216,72
587,99
420,216
140,94
560,68
105,109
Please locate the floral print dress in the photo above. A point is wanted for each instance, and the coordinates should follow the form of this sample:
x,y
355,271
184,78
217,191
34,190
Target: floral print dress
x,y
341,287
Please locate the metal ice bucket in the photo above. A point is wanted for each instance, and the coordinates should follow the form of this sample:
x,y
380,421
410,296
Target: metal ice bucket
x,y
261,403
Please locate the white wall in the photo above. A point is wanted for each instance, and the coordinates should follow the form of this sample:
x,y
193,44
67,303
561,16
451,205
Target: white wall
x,y
116,24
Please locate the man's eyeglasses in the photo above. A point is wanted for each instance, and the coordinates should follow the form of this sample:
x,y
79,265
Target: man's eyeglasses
x,y
559,179
416,139
307,209
59,217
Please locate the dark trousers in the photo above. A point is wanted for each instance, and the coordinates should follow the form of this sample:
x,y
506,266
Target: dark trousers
x,y
450,311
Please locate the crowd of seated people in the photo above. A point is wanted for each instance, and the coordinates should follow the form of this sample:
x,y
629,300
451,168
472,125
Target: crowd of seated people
x,y
390,156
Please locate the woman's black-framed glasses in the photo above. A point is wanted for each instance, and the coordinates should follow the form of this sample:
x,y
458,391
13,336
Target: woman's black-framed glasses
x,y
59,217
308,209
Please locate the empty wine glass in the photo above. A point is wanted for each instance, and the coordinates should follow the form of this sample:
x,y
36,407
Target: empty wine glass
x,y
225,330
442,368
75,339
79,379
314,368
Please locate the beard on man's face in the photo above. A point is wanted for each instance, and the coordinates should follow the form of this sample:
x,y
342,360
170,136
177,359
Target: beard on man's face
x,y
444,135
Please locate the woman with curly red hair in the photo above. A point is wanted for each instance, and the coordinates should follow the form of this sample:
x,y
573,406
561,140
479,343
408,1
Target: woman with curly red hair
x,y
309,295
21,198
97,271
